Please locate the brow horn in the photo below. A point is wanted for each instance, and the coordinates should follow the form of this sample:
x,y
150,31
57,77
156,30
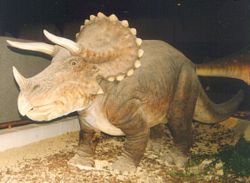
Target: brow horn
x,y
34,46
66,43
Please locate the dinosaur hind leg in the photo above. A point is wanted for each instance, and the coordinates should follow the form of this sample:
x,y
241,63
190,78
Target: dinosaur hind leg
x,y
180,116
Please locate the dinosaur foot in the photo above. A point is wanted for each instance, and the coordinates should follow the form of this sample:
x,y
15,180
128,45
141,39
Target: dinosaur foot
x,y
124,164
175,157
83,163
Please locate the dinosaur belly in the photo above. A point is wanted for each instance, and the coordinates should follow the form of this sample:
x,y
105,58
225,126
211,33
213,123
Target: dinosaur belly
x,y
97,120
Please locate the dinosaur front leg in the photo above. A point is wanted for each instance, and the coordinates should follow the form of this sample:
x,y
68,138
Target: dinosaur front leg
x,y
84,157
133,151
129,120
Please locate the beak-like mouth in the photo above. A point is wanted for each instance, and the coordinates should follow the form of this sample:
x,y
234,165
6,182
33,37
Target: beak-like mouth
x,y
23,105
39,113
45,112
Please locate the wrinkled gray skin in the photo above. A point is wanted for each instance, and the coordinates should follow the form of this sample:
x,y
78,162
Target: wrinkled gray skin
x,y
165,89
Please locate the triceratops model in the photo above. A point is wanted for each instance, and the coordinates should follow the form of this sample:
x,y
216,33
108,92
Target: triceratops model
x,y
119,86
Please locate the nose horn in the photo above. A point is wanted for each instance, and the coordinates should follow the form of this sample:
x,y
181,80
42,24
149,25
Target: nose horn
x,y
21,81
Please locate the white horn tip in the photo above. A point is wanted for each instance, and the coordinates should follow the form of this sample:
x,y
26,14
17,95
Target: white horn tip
x,y
13,43
14,70
18,77
15,74
10,42
46,33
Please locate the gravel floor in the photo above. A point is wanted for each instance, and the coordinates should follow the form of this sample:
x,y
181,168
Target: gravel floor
x,y
46,161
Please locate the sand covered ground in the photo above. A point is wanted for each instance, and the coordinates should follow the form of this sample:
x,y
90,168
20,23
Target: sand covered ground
x,y
46,161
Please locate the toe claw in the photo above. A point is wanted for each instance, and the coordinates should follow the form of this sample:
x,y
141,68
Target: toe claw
x,y
82,163
122,164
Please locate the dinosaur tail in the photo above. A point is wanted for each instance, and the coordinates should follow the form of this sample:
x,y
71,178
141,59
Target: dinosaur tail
x,y
236,66
237,70
208,112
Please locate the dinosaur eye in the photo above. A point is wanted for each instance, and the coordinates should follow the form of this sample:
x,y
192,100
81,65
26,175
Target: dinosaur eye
x,y
73,63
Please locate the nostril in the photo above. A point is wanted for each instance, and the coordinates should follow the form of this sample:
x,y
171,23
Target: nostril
x,y
35,87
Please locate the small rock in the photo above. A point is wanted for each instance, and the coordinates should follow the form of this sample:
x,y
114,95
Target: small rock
x,y
205,163
208,177
219,165
220,172
120,177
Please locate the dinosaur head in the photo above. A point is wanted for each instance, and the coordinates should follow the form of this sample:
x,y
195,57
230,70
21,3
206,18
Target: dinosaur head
x,y
68,84
105,48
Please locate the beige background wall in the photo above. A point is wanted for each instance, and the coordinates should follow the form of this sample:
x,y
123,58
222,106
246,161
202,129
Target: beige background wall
x,y
28,63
